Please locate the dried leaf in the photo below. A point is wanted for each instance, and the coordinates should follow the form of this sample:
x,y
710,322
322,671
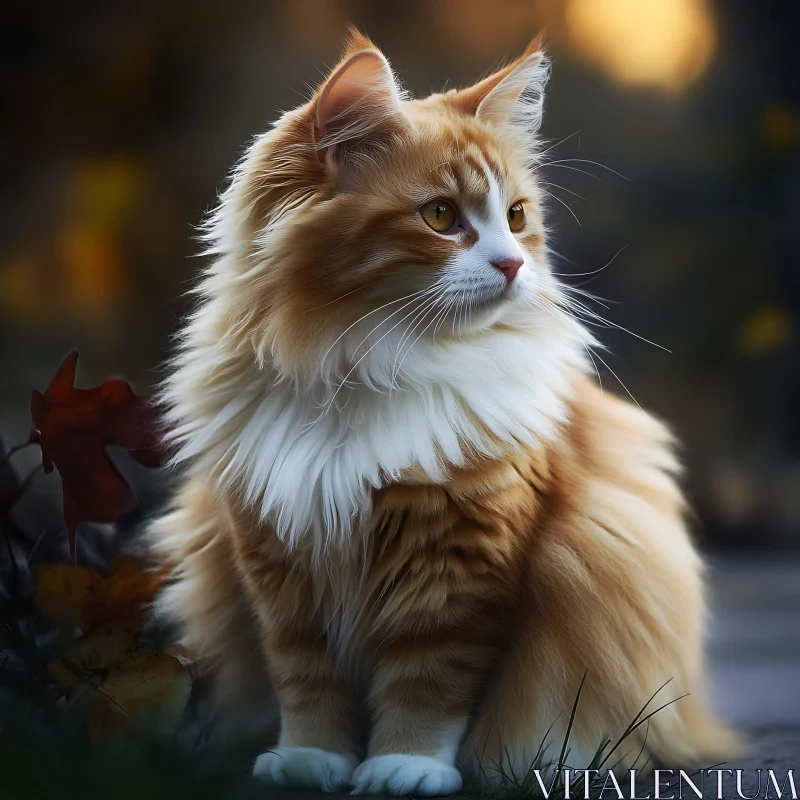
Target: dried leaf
x,y
68,592
130,591
102,649
74,426
119,602
154,684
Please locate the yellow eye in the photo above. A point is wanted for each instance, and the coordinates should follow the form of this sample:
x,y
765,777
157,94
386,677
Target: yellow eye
x,y
516,217
439,214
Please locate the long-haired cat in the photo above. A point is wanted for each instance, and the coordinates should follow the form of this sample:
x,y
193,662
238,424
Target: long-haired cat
x,y
406,508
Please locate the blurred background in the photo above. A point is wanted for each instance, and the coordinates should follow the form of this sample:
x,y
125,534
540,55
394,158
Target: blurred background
x,y
675,127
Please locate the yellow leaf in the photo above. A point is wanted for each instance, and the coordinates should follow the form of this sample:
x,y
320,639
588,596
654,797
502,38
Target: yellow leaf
x,y
154,684
131,589
86,597
102,649
65,591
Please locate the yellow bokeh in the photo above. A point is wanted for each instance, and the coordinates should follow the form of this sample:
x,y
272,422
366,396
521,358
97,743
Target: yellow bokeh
x,y
661,43
781,127
93,271
764,330
21,289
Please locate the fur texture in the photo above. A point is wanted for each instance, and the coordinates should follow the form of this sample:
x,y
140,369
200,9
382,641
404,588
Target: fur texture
x,y
406,510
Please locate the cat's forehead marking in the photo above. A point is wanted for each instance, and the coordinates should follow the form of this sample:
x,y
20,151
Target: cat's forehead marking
x,y
481,182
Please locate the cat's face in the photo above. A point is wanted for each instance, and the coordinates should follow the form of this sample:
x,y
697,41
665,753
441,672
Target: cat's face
x,y
380,222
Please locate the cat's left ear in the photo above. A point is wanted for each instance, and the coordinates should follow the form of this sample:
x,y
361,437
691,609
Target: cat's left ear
x,y
512,97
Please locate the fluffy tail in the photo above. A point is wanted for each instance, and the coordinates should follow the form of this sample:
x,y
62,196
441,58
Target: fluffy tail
x,y
205,598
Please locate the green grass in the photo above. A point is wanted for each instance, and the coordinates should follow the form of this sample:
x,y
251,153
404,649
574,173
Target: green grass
x,y
498,781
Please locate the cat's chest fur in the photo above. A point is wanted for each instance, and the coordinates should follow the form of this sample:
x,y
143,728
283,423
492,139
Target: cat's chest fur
x,y
420,546
312,471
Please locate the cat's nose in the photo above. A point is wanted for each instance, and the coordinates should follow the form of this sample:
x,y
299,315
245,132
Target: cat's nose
x,y
508,266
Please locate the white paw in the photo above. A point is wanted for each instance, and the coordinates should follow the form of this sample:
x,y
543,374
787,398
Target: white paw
x,y
397,775
305,768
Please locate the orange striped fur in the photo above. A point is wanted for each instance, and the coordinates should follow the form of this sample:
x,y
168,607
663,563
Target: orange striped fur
x,y
407,514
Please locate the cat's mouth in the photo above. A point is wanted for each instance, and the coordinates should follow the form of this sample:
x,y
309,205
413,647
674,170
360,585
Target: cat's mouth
x,y
491,296
477,308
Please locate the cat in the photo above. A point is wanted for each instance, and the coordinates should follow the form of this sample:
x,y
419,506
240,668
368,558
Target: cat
x,y
407,513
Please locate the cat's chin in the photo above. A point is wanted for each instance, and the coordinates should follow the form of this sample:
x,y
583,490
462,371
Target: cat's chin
x,y
487,310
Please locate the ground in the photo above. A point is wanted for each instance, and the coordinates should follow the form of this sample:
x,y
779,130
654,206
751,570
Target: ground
x,y
754,651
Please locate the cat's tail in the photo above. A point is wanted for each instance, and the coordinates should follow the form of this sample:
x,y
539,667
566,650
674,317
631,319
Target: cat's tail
x,y
204,597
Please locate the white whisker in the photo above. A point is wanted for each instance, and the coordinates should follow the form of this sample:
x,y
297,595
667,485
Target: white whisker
x,y
593,272
588,161
563,189
370,349
418,317
550,194
618,378
557,144
369,314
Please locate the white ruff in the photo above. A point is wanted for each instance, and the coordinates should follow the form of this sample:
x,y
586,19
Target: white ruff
x,y
310,467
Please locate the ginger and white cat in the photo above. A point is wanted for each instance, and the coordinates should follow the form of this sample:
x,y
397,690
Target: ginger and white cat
x,y
406,508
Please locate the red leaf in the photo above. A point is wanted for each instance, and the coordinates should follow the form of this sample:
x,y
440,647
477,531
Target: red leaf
x,y
74,426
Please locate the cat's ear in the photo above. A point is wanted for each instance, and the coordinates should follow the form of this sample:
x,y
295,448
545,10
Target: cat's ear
x,y
519,98
514,95
360,102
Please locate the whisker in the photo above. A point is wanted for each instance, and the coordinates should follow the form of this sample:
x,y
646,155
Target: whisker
x,y
444,317
589,161
563,189
422,333
369,314
557,144
596,319
588,350
550,194
601,301
561,256
455,312
418,317
341,297
618,378
574,169
369,350
591,358
594,271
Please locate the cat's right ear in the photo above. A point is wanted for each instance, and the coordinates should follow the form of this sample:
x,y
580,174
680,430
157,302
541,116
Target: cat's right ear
x,y
360,103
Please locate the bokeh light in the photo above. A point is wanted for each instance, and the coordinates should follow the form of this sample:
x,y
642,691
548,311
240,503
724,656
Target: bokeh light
x,y
662,43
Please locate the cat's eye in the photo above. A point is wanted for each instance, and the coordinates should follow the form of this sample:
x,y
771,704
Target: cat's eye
x,y
516,217
439,214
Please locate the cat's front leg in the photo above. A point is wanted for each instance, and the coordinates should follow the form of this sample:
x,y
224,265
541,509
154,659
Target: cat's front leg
x,y
319,737
423,690
317,744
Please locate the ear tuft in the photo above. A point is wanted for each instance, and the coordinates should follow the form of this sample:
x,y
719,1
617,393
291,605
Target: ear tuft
x,y
357,41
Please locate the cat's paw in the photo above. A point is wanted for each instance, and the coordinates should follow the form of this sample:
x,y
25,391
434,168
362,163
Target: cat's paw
x,y
305,768
397,775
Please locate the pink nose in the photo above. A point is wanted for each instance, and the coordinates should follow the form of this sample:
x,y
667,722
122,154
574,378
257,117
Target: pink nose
x,y
509,267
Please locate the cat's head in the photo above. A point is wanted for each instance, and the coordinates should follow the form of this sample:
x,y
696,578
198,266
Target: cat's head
x,y
365,223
